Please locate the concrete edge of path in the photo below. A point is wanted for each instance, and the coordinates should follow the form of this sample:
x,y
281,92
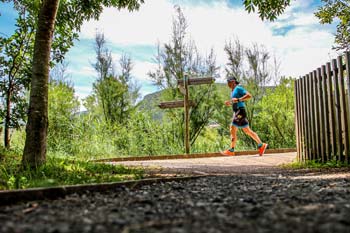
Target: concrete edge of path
x,y
34,194
191,156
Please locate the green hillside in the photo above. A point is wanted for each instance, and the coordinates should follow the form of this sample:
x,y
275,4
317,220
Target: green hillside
x,y
150,103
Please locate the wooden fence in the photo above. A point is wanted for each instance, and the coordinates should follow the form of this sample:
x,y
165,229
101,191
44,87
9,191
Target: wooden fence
x,y
322,109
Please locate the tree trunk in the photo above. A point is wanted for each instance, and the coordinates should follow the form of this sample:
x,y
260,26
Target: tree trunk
x,y
7,118
36,130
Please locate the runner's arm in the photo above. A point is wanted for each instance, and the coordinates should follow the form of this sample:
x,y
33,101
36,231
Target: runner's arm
x,y
228,102
246,97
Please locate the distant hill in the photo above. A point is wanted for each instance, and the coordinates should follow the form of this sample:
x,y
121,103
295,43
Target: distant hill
x,y
150,103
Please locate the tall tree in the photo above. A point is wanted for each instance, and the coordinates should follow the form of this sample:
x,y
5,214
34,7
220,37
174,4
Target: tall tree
x,y
36,131
73,14
15,59
133,89
104,68
115,93
235,53
178,59
256,77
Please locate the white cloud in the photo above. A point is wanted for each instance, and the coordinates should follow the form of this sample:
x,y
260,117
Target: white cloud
x,y
146,26
303,49
305,19
295,20
141,77
211,27
141,69
84,71
295,7
306,46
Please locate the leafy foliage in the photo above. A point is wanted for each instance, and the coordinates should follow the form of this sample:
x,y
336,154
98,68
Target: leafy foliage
x,y
267,9
275,121
15,63
337,10
63,106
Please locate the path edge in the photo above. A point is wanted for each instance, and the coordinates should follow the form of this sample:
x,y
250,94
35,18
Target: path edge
x,y
34,194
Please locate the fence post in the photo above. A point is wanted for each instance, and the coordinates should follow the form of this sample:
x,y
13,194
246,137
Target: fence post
x,y
304,118
347,66
337,109
296,116
344,123
331,110
325,113
308,117
301,121
316,115
321,133
187,124
312,116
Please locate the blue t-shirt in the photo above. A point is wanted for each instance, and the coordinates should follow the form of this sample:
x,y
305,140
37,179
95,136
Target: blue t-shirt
x,y
239,92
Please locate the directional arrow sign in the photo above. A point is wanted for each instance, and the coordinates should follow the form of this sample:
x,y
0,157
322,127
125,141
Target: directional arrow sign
x,y
196,81
175,104
182,89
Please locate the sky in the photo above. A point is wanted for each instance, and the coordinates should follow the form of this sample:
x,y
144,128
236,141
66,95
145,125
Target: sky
x,y
296,38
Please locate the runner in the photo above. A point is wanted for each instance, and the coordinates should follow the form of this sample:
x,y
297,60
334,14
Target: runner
x,y
238,96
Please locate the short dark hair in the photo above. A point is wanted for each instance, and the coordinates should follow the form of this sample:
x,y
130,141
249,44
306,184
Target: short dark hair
x,y
232,78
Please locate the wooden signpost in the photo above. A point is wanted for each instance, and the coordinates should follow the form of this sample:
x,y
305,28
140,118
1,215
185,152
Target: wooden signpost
x,y
186,102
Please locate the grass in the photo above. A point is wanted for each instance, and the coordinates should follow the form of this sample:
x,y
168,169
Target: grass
x,y
59,171
315,164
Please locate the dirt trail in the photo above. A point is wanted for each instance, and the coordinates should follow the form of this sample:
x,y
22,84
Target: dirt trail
x,y
216,165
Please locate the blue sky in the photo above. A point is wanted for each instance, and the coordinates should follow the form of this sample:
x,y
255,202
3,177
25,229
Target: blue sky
x,y
296,38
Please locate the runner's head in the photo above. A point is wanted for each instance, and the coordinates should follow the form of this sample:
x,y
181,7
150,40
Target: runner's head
x,y
232,81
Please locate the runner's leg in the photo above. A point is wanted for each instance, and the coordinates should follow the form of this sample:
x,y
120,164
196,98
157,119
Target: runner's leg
x,y
233,131
252,134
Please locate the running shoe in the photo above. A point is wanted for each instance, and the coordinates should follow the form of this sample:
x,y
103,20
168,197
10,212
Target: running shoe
x,y
229,152
262,149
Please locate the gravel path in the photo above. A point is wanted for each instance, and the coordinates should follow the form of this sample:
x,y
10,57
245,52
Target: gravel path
x,y
273,200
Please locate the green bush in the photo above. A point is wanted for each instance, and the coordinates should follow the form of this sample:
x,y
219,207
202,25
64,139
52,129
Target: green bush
x,y
275,122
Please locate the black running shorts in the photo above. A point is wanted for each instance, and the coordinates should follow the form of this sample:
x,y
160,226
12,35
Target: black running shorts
x,y
240,118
